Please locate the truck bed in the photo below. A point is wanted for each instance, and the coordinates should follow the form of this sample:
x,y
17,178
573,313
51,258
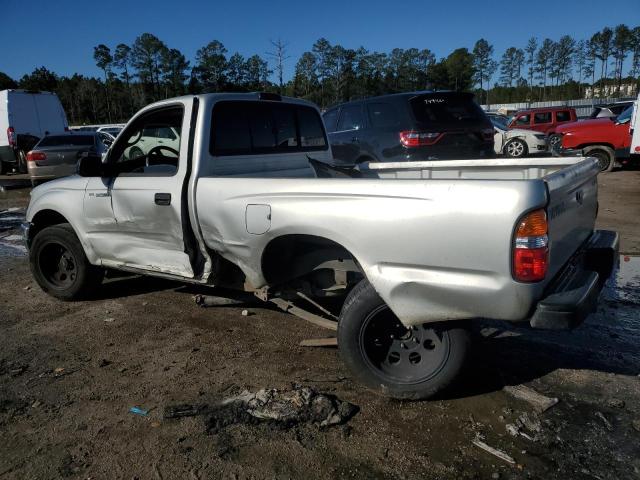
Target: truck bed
x,y
480,169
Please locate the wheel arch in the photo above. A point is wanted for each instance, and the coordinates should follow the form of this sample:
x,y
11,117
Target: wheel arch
x,y
48,217
292,256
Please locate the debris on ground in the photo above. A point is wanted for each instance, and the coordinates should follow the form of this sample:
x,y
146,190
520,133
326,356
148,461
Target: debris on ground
x,y
183,410
246,313
284,408
636,424
616,403
214,301
540,402
605,421
139,411
320,342
494,451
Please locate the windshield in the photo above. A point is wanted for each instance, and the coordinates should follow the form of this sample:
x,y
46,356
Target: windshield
x,y
498,122
625,116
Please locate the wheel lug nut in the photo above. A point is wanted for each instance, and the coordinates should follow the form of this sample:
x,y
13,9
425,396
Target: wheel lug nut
x,y
416,340
391,336
403,345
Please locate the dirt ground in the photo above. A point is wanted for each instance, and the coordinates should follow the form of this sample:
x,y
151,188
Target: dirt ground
x,y
70,372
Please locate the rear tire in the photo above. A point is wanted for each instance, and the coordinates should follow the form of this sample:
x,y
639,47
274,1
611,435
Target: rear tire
x,y
22,161
605,155
395,361
516,148
59,265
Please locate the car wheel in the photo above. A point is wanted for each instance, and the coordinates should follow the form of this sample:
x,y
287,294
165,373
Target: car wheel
x,y
22,162
604,155
135,152
59,265
516,148
554,140
406,363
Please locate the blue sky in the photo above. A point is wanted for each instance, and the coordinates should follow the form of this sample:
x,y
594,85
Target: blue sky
x,y
61,35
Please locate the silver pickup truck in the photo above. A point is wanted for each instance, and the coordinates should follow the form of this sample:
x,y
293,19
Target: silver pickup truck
x,y
246,198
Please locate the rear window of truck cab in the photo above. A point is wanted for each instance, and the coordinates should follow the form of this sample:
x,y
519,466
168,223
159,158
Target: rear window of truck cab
x,y
254,127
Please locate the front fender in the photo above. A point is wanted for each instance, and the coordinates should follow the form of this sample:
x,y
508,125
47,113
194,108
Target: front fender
x,y
61,198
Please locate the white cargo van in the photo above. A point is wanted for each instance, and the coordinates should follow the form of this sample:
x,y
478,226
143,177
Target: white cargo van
x,y
25,117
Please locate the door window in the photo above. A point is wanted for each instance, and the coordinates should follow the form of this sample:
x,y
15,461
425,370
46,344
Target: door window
x,y
383,115
350,118
563,116
151,145
542,117
523,120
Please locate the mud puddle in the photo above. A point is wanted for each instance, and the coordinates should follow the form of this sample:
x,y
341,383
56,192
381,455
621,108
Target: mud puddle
x,y
10,237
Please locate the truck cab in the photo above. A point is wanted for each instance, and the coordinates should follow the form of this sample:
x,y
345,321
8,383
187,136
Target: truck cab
x,y
608,139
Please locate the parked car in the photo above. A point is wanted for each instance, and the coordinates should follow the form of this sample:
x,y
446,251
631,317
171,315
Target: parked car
x,y
26,116
57,155
608,139
610,110
415,250
515,143
110,129
544,120
152,137
409,127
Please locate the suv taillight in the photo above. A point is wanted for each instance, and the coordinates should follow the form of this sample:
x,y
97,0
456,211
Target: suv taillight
x,y
411,138
531,247
11,136
34,155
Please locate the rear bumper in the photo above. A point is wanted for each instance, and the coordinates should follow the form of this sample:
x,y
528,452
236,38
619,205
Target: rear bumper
x,y
574,293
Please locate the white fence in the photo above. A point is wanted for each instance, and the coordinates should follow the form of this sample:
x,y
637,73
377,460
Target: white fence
x,y
583,106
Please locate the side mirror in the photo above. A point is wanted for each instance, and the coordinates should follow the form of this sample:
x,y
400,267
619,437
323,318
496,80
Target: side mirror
x,y
90,165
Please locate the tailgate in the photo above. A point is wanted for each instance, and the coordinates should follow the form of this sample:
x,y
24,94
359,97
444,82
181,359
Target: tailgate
x,y
571,211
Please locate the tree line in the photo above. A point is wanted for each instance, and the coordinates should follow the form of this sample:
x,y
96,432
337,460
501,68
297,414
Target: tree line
x,y
148,70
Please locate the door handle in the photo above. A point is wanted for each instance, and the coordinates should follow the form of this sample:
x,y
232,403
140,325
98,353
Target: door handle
x,y
162,198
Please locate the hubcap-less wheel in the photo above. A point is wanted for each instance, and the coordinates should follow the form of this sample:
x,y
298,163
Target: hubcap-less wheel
x,y
59,266
515,149
402,355
603,159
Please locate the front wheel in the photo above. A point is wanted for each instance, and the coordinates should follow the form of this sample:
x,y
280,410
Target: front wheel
x,y
605,156
59,265
405,363
516,148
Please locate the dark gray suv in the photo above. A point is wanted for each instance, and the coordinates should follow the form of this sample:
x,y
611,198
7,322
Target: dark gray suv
x,y
412,126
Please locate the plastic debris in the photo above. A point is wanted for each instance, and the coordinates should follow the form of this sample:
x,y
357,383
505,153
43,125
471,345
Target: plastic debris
x,y
139,411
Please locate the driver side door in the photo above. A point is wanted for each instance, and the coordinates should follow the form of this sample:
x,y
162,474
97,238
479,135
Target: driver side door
x,y
146,193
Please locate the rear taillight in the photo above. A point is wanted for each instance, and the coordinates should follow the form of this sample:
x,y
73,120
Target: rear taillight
x,y
411,138
531,247
34,155
11,136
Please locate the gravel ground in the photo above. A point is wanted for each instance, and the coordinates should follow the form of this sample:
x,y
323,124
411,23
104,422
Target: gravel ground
x,y
70,372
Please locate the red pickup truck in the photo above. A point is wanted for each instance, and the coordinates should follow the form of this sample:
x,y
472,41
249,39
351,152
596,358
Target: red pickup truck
x,y
608,139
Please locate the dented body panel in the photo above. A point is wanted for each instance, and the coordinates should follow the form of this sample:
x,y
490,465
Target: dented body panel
x,y
433,238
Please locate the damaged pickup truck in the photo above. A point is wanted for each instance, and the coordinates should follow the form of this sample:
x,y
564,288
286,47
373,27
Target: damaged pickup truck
x,y
415,250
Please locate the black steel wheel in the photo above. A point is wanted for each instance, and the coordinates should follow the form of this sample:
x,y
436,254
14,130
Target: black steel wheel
x,y
59,265
399,354
414,362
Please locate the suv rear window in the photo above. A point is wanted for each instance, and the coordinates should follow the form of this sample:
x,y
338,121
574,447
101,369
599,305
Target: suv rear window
x,y
563,116
446,109
67,141
241,128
